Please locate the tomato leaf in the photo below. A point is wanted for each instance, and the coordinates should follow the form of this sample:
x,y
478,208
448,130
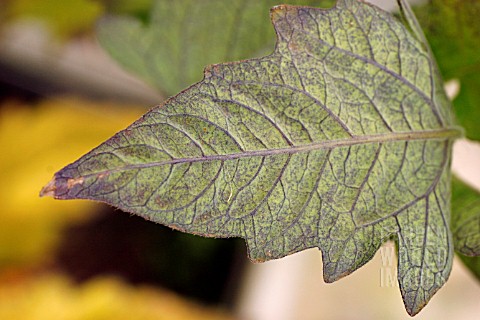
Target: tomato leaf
x,y
340,139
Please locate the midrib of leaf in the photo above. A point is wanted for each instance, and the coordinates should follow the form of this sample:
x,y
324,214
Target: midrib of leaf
x,y
440,134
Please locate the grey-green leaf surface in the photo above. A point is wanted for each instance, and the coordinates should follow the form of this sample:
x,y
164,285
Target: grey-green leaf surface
x,y
340,139
183,36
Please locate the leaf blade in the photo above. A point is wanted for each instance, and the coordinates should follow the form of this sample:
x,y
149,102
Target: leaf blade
x,y
339,140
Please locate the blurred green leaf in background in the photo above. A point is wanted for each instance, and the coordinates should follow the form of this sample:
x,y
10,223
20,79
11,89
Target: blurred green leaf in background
x,y
452,28
466,224
182,37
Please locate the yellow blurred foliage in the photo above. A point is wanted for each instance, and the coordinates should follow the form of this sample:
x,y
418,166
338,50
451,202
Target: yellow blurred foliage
x,y
54,297
36,141
65,18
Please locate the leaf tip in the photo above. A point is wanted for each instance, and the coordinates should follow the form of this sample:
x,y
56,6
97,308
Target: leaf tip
x,y
53,187
415,301
49,189
276,11
414,309
332,277
210,70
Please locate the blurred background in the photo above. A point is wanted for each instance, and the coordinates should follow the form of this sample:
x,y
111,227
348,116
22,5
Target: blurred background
x,y
72,73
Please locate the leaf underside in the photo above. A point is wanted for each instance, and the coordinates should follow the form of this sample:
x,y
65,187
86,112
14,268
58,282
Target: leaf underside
x,y
340,139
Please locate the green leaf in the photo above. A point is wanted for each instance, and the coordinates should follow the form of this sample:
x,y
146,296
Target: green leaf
x,y
340,139
184,36
465,219
135,8
453,30
472,263
467,104
466,224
